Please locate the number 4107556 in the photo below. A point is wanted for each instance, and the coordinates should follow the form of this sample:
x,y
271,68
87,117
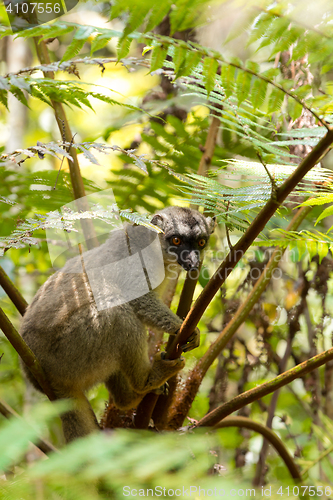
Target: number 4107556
x,y
31,7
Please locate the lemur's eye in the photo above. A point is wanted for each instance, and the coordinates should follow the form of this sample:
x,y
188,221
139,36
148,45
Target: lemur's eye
x,y
176,241
202,242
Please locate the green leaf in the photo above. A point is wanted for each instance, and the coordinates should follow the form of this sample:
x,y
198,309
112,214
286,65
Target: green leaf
x,y
179,14
289,37
262,24
305,132
111,101
323,249
19,82
147,49
192,61
258,93
302,91
325,213
275,100
253,66
300,48
123,47
4,84
277,28
312,248
35,92
158,13
84,33
3,98
73,49
19,95
320,200
139,10
56,30
228,79
271,73
158,56
210,66
243,84
294,108
179,59
99,42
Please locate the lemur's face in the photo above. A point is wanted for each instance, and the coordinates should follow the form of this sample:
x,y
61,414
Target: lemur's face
x,y
186,234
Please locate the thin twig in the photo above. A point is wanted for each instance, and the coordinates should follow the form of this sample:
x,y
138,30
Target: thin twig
x,y
247,423
42,444
26,354
63,125
13,293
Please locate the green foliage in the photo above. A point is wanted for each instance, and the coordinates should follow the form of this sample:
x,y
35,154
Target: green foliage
x,y
237,206
103,465
311,242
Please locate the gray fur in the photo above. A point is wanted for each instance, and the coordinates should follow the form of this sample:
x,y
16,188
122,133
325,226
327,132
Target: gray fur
x,y
79,345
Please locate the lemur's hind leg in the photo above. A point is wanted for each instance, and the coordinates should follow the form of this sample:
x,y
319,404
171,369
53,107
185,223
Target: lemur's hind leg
x,y
123,395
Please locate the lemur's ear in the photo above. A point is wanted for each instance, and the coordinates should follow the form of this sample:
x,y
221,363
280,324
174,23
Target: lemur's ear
x,y
211,221
158,220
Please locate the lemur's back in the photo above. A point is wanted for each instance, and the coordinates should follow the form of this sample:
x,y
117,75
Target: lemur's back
x,y
64,326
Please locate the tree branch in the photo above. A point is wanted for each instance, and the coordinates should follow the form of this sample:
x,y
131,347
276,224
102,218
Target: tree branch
x,y
256,393
26,354
13,293
196,376
65,132
244,243
247,423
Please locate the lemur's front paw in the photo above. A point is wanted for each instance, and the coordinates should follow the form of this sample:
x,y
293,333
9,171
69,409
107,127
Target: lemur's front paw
x,y
193,341
177,363
162,370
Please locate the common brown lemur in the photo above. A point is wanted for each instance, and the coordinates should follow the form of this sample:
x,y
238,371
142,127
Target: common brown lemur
x,y
87,323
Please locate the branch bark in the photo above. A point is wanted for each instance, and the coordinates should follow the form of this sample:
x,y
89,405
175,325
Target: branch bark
x,y
218,279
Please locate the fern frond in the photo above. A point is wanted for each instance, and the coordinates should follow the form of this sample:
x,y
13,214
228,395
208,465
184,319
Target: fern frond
x,y
234,204
311,242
